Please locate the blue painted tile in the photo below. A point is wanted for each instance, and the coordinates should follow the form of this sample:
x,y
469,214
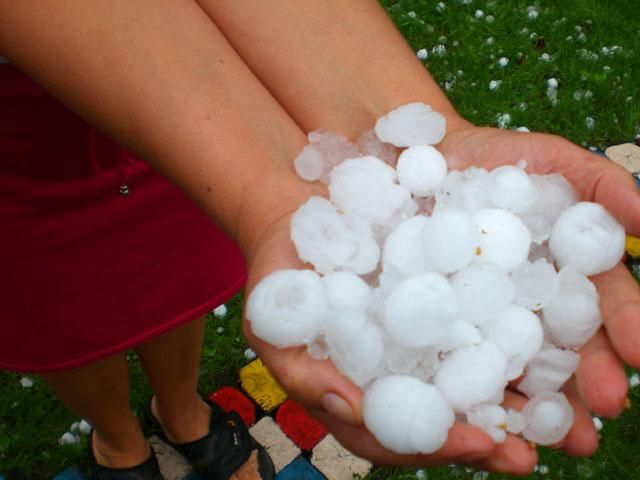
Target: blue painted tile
x,y
300,469
71,473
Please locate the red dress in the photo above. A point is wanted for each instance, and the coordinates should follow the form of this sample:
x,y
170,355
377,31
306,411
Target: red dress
x,y
85,271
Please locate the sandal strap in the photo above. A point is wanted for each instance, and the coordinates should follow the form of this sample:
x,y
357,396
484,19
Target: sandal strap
x,y
147,470
222,451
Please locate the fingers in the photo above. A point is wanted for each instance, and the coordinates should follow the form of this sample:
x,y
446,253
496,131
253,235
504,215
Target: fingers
x,y
600,180
582,439
620,304
465,444
600,378
515,455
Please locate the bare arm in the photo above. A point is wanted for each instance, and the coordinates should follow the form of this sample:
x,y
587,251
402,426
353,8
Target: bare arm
x,y
159,77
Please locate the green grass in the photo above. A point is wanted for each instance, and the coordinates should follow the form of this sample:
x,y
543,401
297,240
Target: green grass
x,y
31,420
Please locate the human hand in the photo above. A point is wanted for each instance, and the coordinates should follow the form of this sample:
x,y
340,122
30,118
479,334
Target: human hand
x,y
337,402
600,383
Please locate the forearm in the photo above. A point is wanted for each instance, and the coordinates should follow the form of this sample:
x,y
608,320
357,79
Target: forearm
x,y
160,78
335,64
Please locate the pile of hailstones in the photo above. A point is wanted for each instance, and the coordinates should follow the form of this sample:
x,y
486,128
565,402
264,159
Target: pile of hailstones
x,y
435,289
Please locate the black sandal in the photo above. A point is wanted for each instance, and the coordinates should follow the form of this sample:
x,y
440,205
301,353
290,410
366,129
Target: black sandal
x,y
220,453
147,470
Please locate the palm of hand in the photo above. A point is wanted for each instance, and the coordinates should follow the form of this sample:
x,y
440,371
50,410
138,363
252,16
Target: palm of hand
x,y
600,383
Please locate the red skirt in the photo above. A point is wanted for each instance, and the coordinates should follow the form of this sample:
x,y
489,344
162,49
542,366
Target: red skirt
x,y
85,271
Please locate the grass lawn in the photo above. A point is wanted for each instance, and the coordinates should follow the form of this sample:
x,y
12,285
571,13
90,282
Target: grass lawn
x,y
587,46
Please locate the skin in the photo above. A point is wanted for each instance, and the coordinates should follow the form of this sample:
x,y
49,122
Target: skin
x,y
232,151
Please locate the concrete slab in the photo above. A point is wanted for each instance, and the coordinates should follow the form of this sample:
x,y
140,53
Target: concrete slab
x,y
280,448
336,462
626,155
172,465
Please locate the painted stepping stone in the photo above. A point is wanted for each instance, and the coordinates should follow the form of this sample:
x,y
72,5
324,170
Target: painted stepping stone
x,y
261,386
632,246
233,400
71,473
299,469
336,462
296,423
626,155
172,465
278,446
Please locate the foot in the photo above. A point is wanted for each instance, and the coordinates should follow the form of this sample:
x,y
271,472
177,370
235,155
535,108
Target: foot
x,y
201,451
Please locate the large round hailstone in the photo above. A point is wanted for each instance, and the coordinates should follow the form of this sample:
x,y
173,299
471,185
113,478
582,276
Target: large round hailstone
x,y
535,284
419,311
515,331
356,347
450,239
460,334
288,307
471,375
403,247
365,260
468,190
366,187
573,314
421,169
482,290
548,371
411,124
407,415
549,418
504,240
587,238
556,194
321,236
512,189
347,290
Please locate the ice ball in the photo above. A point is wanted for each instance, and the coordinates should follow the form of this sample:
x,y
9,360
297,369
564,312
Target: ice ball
x,y
450,239
347,290
549,417
471,375
535,284
504,240
588,238
548,371
512,189
573,314
411,124
421,169
482,290
516,331
420,309
288,307
403,247
490,418
366,187
407,415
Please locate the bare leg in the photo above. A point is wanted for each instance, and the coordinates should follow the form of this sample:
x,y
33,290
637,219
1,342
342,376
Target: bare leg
x,y
99,392
171,364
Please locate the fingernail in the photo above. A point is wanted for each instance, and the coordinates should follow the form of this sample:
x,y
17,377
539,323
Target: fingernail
x,y
338,407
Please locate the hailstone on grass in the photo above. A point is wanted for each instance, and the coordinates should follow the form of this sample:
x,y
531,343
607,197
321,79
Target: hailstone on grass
x,y
407,415
587,238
